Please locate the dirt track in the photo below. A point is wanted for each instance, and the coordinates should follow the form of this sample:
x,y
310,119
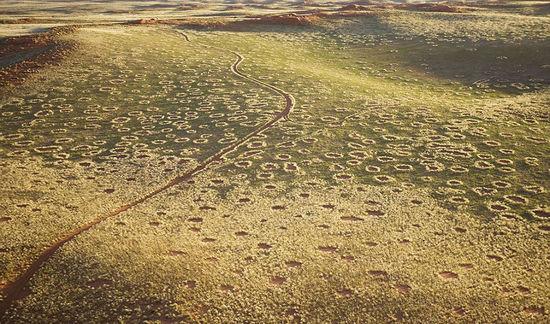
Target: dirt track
x,y
16,289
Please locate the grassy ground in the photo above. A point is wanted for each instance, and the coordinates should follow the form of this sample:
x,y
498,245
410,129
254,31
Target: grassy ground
x,y
408,183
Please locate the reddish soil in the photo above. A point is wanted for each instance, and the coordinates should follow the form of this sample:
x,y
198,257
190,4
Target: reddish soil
x,y
303,18
21,56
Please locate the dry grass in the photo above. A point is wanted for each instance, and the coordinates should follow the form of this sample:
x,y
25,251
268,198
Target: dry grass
x,y
398,188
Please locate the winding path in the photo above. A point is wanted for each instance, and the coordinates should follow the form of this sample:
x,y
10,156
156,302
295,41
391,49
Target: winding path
x,y
15,289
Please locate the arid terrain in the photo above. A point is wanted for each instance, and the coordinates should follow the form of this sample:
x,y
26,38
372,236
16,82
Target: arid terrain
x,y
274,161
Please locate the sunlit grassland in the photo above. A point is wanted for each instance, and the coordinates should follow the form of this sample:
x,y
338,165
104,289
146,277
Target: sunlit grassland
x,y
398,188
389,107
